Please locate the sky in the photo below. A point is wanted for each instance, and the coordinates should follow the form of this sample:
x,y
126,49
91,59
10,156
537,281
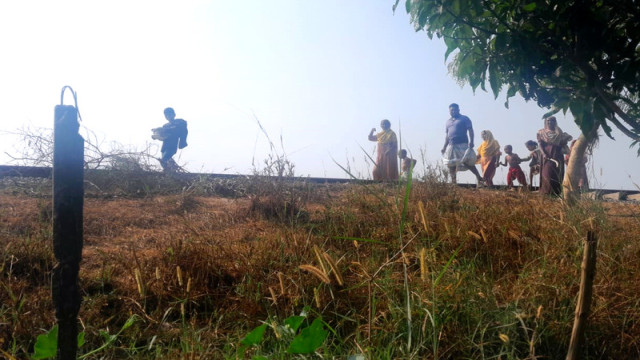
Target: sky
x,y
316,75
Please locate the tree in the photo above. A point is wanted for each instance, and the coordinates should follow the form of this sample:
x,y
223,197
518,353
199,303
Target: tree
x,y
567,55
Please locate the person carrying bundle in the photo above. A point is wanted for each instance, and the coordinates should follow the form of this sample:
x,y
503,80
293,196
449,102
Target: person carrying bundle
x,y
173,136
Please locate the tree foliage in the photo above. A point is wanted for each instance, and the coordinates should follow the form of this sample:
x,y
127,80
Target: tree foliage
x,y
582,56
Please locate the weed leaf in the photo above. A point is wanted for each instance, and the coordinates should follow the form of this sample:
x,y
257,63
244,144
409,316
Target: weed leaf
x,y
81,339
305,311
255,336
129,322
309,339
294,322
46,344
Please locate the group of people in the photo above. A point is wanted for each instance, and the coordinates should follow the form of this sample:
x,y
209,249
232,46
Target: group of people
x,y
548,155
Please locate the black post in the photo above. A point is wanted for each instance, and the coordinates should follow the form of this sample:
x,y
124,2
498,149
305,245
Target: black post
x,y
68,198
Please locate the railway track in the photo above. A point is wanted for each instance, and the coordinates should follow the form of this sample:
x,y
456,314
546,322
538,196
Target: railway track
x,y
45,172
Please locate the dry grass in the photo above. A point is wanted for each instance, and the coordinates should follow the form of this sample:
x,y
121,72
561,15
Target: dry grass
x,y
482,266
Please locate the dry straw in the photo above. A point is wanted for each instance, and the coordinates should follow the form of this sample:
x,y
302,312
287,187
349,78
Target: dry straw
x,y
274,297
318,253
424,271
334,268
424,219
475,235
316,296
138,276
276,329
317,272
281,281
484,236
179,275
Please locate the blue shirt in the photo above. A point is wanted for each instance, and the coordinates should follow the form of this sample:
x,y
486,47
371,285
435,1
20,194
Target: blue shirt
x,y
457,129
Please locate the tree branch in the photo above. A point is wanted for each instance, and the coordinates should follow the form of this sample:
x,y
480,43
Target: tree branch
x,y
597,86
624,130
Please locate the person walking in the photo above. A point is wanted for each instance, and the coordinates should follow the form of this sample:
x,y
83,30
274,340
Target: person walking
x,y
535,156
553,144
488,156
457,152
173,136
515,171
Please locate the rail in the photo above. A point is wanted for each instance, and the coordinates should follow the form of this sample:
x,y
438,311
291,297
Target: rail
x,y
45,172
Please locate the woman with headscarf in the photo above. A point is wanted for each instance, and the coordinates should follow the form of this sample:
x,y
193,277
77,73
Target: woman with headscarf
x,y
488,156
553,144
386,167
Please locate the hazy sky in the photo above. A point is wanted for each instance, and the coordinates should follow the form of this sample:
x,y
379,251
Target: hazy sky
x,y
318,74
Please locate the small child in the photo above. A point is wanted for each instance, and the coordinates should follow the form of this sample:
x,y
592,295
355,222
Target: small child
x,y
536,159
407,164
515,172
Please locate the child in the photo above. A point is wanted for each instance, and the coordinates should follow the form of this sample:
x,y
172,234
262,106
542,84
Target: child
x,y
515,172
407,164
536,159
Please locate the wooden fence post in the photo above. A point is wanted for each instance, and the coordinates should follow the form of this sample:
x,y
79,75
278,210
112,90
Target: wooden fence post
x,y
588,271
68,199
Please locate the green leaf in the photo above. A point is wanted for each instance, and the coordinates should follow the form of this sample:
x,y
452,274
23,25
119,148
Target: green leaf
x,y
493,80
577,108
255,336
309,339
395,5
129,322
607,130
105,334
446,266
305,311
46,345
81,339
294,322
530,7
451,47
259,357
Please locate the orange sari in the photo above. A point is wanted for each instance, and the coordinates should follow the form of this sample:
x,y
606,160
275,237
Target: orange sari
x,y
488,155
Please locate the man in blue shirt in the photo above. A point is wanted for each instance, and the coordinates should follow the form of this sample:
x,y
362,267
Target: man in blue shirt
x,y
458,154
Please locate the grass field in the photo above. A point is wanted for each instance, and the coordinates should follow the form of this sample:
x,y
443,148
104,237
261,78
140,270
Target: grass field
x,y
427,272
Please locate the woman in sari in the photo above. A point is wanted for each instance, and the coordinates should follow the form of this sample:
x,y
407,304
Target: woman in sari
x,y
553,143
386,167
488,156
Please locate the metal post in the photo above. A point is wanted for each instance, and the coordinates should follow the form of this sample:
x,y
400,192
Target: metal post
x,y
68,198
